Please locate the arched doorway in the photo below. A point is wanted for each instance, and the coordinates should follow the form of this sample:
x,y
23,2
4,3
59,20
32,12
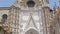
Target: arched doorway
x,y
31,31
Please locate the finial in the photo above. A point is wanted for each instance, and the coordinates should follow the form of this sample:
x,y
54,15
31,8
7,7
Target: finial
x,y
55,4
55,7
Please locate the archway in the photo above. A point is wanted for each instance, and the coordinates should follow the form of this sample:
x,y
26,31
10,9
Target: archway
x,y
4,18
30,3
32,31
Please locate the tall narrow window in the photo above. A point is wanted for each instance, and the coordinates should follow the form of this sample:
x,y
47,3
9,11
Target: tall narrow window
x,y
4,17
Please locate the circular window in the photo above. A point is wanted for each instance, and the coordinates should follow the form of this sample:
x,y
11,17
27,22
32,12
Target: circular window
x,y
30,3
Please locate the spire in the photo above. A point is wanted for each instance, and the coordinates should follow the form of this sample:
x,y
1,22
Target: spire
x,y
18,1
46,3
55,7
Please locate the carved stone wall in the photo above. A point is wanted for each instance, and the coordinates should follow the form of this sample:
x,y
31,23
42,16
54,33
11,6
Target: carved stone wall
x,y
14,20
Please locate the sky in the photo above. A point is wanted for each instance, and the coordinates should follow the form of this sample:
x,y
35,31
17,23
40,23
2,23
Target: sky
x,y
8,3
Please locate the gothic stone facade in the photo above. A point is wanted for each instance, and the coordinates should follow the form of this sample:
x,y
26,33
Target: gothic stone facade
x,y
30,17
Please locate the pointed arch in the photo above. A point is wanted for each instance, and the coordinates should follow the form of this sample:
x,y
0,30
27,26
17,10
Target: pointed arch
x,y
31,31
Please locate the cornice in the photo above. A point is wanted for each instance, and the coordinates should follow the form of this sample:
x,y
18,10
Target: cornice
x,y
4,8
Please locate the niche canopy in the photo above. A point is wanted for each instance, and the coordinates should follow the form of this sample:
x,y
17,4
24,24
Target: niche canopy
x,y
30,3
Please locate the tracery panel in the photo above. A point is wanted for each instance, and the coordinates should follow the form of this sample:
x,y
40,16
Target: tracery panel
x,y
30,20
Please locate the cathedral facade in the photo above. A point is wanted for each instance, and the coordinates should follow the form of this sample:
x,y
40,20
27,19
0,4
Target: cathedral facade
x,y
30,17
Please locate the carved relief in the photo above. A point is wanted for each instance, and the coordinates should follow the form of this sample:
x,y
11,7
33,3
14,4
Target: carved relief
x,y
30,20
